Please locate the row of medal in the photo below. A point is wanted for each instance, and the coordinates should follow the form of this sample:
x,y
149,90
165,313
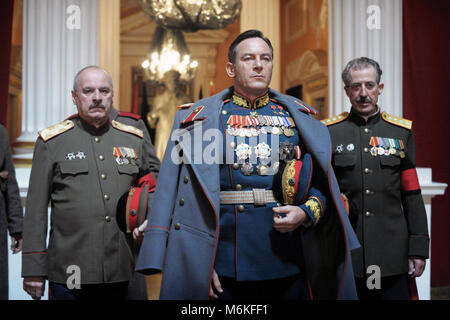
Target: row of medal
x,y
387,146
263,152
253,125
124,155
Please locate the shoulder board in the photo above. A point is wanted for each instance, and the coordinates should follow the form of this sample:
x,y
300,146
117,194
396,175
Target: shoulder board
x,y
56,130
126,128
404,123
129,115
185,106
334,120
306,108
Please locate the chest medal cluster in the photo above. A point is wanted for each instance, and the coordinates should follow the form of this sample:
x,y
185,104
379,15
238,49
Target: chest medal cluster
x,y
255,124
387,146
124,155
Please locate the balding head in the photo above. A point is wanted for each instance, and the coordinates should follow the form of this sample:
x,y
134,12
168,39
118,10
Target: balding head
x,y
77,76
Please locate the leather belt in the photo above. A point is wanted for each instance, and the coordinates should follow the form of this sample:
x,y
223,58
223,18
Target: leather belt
x,y
258,197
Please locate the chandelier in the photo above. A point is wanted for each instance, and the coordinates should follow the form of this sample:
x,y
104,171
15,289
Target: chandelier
x,y
168,50
192,15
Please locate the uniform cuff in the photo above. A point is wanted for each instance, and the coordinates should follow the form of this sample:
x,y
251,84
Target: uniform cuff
x,y
152,252
34,264
310,220
419,246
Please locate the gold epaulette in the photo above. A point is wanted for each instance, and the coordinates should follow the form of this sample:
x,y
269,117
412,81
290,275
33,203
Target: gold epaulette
x,y
404,123
127,128
334,120
185,106
55,130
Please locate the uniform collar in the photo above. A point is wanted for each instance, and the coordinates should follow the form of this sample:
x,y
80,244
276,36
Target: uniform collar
x,y
360,120
91,129
245,102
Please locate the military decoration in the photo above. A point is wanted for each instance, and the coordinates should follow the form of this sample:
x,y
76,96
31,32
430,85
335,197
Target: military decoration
x,y
262,150
124,155
387,146
247,169
243,151
80,155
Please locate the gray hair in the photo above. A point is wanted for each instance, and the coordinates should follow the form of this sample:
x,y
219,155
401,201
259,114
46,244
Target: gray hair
x,y
75,80
359,64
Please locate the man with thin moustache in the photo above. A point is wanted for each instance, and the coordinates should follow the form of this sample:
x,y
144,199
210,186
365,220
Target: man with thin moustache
x,y
374,161
82,166
265,221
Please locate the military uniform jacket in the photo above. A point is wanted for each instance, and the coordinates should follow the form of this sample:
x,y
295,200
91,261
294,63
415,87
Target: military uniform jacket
x,y
183,230
375,166
82,172
11,212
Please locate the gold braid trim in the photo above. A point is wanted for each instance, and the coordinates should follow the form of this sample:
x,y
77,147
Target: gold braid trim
x,y
288,190
244,102
315,205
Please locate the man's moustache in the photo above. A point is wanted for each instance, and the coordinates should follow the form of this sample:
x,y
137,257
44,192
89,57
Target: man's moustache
x,y
92,106
363,100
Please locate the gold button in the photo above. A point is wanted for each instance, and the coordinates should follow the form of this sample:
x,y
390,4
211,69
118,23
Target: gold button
x,y
366,149
108,219
181,202
368,214
368,192
233,144
366,130
101,157
224,112
103,176
241,208
238,187
97,139
106,197
186,179
366,170
177,226
235,166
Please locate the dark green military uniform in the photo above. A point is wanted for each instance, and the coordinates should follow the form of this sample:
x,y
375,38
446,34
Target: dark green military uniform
x,y
374,163
82,172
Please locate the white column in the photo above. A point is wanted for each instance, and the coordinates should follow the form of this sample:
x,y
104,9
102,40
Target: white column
x,y
429,190
351,36
109,50
59,38
264,15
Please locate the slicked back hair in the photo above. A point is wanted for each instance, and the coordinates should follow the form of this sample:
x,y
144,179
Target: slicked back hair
x,y
243,36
